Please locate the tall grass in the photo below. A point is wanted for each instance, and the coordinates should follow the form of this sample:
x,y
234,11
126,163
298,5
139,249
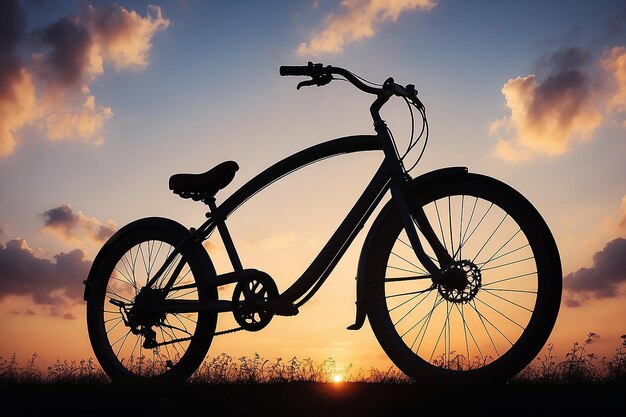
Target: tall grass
x,y
579,366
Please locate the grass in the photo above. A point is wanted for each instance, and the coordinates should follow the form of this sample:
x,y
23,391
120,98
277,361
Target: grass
x,y
580,365
580,384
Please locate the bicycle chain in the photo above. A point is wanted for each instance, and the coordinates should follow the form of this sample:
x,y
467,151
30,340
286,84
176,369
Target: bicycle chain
x,y
233,330
184,339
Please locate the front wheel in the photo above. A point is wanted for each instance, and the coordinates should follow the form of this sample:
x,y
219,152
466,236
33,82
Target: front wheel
x,y
135,344
495,306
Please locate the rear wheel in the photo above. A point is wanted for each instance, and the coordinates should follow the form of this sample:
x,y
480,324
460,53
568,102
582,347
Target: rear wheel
x,y
133,344
494,308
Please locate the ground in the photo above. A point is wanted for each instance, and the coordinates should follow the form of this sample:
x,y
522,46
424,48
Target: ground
x,y
313,399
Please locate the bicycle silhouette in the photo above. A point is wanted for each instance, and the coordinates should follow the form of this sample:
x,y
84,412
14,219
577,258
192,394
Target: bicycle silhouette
x,y
459,275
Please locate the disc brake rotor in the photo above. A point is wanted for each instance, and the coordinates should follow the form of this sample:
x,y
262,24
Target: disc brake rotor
x,y
461,282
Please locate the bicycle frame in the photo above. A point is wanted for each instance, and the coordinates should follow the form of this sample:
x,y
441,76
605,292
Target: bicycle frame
x,y
390,176
497,321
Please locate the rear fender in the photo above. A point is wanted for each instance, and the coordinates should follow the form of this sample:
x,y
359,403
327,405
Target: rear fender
x,y
363,269
129,228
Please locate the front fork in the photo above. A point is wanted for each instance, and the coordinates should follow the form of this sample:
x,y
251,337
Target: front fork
x,y
411,219
414,219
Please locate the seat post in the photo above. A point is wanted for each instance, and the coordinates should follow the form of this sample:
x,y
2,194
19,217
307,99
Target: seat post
x,y
225,235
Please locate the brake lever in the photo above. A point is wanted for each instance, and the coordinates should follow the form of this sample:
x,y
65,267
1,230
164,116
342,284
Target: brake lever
x,y
318,81
305,83
412,92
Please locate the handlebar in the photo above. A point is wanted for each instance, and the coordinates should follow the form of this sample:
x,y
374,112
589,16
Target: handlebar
x,y
322,75
294,70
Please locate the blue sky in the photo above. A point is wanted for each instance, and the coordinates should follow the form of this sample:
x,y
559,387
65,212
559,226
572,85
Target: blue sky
x,y
208,90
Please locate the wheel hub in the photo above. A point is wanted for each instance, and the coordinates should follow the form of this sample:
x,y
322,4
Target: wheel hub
x,y
141,320
460,283
138,315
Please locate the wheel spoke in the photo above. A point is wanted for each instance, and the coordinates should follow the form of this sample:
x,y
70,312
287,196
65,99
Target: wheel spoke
x,y
481,305
467,329
438,300
509,301
463,240
410,263
443,237
443,328
450,224
411,278
397,268
509,279
490,236
411,310
508,263
411,292
482,264
168,336
484,322
476,227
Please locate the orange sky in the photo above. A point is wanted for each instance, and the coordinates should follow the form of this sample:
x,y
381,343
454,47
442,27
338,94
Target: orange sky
x,y
100,104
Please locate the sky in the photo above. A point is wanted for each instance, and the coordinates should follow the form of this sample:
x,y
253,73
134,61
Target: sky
x,y
101,102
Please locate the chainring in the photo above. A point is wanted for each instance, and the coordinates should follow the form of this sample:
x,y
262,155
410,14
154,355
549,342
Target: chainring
x,y
251,298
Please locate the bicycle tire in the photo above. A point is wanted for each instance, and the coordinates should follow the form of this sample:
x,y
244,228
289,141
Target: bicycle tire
x,y
129,260
428,337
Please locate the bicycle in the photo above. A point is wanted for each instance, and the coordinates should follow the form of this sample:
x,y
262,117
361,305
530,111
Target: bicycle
x,y
459,275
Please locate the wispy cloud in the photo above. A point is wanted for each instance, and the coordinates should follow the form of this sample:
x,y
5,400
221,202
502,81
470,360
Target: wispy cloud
x,y
602,279
358,19
50,89
275,242
614,63
53,284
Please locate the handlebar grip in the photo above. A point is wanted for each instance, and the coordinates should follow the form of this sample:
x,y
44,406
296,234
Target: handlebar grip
x,y
294,70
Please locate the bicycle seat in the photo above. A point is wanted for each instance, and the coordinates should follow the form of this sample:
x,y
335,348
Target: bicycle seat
x,y
204,186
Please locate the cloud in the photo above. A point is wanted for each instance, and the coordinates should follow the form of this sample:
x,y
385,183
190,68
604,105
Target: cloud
x,y
72,226
548,112
622,221
71,55
614,63
124,37
74,115
602,280
51,90
359,19
83,44
54,284
280,241
17,93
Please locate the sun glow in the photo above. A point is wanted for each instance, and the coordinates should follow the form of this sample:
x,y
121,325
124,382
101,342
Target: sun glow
x,y
337,378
